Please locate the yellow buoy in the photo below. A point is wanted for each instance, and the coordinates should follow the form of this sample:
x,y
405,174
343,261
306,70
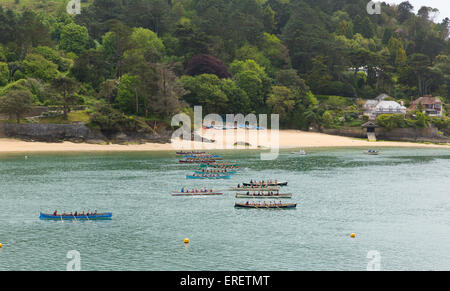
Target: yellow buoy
x,y
186,240
352,235
1,245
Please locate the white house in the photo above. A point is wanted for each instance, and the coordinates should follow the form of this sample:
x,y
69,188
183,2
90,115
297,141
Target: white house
x,y
389,107
378,106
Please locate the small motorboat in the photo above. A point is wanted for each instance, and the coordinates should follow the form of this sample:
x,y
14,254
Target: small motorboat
x,y
372,152
299,153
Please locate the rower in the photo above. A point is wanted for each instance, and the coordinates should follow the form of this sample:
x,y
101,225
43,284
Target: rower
x,y
55,213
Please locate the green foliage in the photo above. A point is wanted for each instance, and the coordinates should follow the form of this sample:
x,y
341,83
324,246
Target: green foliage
x,y
127,98
390,121
16,102
74,38
36,66
307,60
109,119
4,74
327,119
54,56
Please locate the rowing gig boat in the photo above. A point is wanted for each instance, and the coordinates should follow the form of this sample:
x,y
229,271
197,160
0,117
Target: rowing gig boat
x,y
216,172
271,185
98,216
272,196
267,206
190,153
197,194
208,177
217,165
196,161
273,188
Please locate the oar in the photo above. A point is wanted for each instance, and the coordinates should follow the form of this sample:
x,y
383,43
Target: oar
x,y
61,218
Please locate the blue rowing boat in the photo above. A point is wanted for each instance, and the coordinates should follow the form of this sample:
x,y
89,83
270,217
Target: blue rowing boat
x,y
99,216
209,177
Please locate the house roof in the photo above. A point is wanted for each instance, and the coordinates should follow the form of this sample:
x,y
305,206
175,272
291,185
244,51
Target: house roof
x,y
371,102
370,124
381,97
389,104
426,100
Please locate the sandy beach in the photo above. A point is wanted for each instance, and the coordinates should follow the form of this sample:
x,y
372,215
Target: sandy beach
x,y
284,139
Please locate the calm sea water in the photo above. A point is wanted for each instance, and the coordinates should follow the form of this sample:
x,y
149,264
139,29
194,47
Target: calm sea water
x,y
397,203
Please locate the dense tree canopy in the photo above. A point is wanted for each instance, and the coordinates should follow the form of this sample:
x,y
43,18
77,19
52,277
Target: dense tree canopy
x,y
155,58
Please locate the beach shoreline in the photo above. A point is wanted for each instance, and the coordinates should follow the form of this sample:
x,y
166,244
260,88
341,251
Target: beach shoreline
x,y
284,139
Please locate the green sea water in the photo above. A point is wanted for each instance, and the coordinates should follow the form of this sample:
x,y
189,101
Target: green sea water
x,y
397,204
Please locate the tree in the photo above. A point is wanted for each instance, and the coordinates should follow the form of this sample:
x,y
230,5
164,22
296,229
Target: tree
x,y
115,43
36,66
167,102
205,90
91,67
204,64
146,42
74,38
108,90
16,102
404,10
238,101
4,74
63,93
127,99
319,78
420,63
253,79
327,119
281,101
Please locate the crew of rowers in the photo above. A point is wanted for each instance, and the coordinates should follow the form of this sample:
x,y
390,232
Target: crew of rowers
x,y
263,183
264,204
202,157
223,165
204,190
216,171
239,186
259,193
88,213
191,153
229,167
207,176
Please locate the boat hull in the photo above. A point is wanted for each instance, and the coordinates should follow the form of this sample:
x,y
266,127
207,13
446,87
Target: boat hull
x,y
196,194
219,166
100,216
255,189
195,162
270,185
227,173
280,196
211,178
283,206
190,153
